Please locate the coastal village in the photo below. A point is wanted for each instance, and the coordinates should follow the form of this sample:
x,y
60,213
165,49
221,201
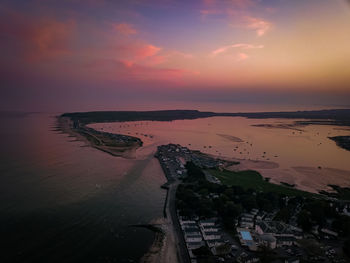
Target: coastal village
x,y
222,223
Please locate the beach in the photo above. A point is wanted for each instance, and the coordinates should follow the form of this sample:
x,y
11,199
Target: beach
x,y
307,178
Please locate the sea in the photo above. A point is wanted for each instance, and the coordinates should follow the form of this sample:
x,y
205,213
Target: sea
x,y
63,201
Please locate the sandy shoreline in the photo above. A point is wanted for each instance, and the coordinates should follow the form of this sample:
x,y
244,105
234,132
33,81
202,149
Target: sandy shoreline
x,y
163,248
230,137
306,178
65,125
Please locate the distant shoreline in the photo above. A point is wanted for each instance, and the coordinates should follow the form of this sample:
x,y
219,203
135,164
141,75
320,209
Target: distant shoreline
x,y
76,123
339,117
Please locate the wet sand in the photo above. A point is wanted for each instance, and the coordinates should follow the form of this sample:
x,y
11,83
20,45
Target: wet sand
x,y
311,179
230,137
245,164
341,129
163,248
65,125
292,126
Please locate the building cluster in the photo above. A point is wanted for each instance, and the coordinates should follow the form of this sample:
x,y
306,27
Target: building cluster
x,y
256,230
204,233
173,158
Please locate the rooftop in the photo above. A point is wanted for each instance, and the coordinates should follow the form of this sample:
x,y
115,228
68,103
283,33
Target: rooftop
x,y
246,235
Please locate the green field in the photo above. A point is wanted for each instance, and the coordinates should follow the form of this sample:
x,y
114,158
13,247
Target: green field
x,y
253,180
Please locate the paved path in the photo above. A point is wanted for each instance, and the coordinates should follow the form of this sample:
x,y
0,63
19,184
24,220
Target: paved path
x,y
179,237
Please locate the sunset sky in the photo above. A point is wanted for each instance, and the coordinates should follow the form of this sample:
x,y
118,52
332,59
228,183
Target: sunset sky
x,y
103,54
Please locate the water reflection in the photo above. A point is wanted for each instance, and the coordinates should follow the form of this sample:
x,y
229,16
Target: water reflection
x,y
61,202
271,140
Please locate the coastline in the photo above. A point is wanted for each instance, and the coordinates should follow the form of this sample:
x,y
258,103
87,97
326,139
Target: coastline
x,y
165,247
65,125
303,177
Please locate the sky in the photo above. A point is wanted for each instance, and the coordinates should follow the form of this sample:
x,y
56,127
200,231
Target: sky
x,y
78,55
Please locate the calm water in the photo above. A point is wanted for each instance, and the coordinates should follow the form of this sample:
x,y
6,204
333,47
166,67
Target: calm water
x,y
289,148
61,202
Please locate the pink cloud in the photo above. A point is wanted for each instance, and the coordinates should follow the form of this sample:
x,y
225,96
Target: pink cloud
x,y
127,63
50,38
260,26
128,70
156,60
239,45
37,38
176,53
220,7
125,29
231,3
147,51
206,12
209,2
136,52
242,3
242,56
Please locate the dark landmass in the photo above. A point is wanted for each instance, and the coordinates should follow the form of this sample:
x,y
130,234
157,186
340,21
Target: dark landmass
x,y
329,117
114,144
150,227
122,116
288,185
342,141
341,193
316,228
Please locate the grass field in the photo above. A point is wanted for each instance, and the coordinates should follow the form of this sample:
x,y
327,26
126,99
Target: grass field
x,y
253,180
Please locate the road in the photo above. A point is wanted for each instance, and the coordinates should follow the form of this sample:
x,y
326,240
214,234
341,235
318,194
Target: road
x,y
179,237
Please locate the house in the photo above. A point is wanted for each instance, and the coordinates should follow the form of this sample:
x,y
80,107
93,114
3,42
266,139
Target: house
x,y
192,234
208,222
211,235
194,245
214,243
260,215
193,238
292,260
221,250
186,221
285,241
329,233
244,258
209,228
246,239
247,215
189,225
254,211
246,222
268,240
